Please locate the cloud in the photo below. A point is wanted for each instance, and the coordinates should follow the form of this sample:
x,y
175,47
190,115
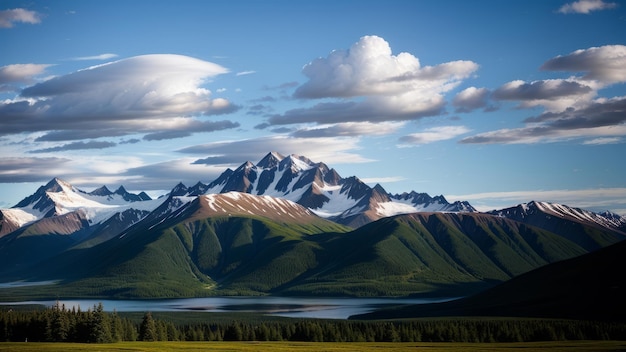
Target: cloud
x,y
606,64
603,118
434,134
472,98
11,76
573,110
604,140
106,56
9,17
368,83
329,150
586,6
77,146
243,73
349,129
142,94
554,94
191,126
390,179
26,169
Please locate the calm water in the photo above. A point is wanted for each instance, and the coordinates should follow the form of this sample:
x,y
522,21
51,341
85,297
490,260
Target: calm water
x,y
327,307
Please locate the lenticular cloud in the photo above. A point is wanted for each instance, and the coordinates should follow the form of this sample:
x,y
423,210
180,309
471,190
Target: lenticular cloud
x,y
118,97
159,84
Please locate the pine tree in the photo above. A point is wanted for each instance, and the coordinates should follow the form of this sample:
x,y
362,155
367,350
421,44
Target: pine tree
x,y
100,326
148,329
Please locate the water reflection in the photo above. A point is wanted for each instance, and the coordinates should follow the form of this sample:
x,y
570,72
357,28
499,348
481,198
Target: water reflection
x,y
300,307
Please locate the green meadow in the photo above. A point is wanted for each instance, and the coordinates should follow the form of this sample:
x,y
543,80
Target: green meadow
x,y
317,346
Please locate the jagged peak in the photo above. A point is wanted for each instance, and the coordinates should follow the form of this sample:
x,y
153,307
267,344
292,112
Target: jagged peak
x,y
441,199
179,190
101,191
57,185
332,177
245,166
121,190
270,160
296,163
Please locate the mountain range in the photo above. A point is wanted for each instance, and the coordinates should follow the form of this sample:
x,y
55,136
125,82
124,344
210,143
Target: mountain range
x,y
285,225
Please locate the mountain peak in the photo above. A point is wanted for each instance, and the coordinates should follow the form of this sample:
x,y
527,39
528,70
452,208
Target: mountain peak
x,y
296,163
102,191
179,190
270,160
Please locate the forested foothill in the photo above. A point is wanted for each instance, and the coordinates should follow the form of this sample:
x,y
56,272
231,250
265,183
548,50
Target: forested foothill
x,y
59,324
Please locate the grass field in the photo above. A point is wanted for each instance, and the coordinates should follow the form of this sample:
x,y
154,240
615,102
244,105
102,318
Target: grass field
x,y
560,346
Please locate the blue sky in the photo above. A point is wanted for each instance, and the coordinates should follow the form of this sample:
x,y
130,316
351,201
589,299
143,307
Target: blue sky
x,y
494,102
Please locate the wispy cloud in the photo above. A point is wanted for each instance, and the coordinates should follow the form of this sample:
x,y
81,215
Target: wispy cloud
x,y
349,129
243,73
9,17
77,146
391,179
604,140
434,134
106,56
586,6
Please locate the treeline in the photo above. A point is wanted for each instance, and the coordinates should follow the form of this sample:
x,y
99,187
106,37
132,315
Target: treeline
x,y
97,326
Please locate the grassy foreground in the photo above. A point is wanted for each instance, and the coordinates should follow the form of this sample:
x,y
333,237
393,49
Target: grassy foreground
x,y
557,346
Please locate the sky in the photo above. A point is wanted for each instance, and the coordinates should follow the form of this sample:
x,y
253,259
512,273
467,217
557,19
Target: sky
x,y
493,102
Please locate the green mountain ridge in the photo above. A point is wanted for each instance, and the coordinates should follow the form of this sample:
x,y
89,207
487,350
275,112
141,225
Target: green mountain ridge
x,y
588,287
231,245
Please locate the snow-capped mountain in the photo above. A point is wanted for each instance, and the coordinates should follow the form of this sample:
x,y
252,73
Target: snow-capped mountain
x,y
547,209
571,223
59,199
321,189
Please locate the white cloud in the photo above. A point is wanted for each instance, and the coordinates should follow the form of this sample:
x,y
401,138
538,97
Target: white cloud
x,y
471,98
553,94
150,93
603,118
572,109
368,83
603,140
606,64
106,56
18,74
347,129
243,73
390,179
434,134
586,6
9,17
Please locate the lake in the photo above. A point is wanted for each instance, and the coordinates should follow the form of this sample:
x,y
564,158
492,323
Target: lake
x,y
294,307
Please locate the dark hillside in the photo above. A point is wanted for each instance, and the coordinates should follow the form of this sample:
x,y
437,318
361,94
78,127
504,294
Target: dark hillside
x,y
589,287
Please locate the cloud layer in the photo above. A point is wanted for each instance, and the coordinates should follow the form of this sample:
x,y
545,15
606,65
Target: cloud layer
x,y
144,94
